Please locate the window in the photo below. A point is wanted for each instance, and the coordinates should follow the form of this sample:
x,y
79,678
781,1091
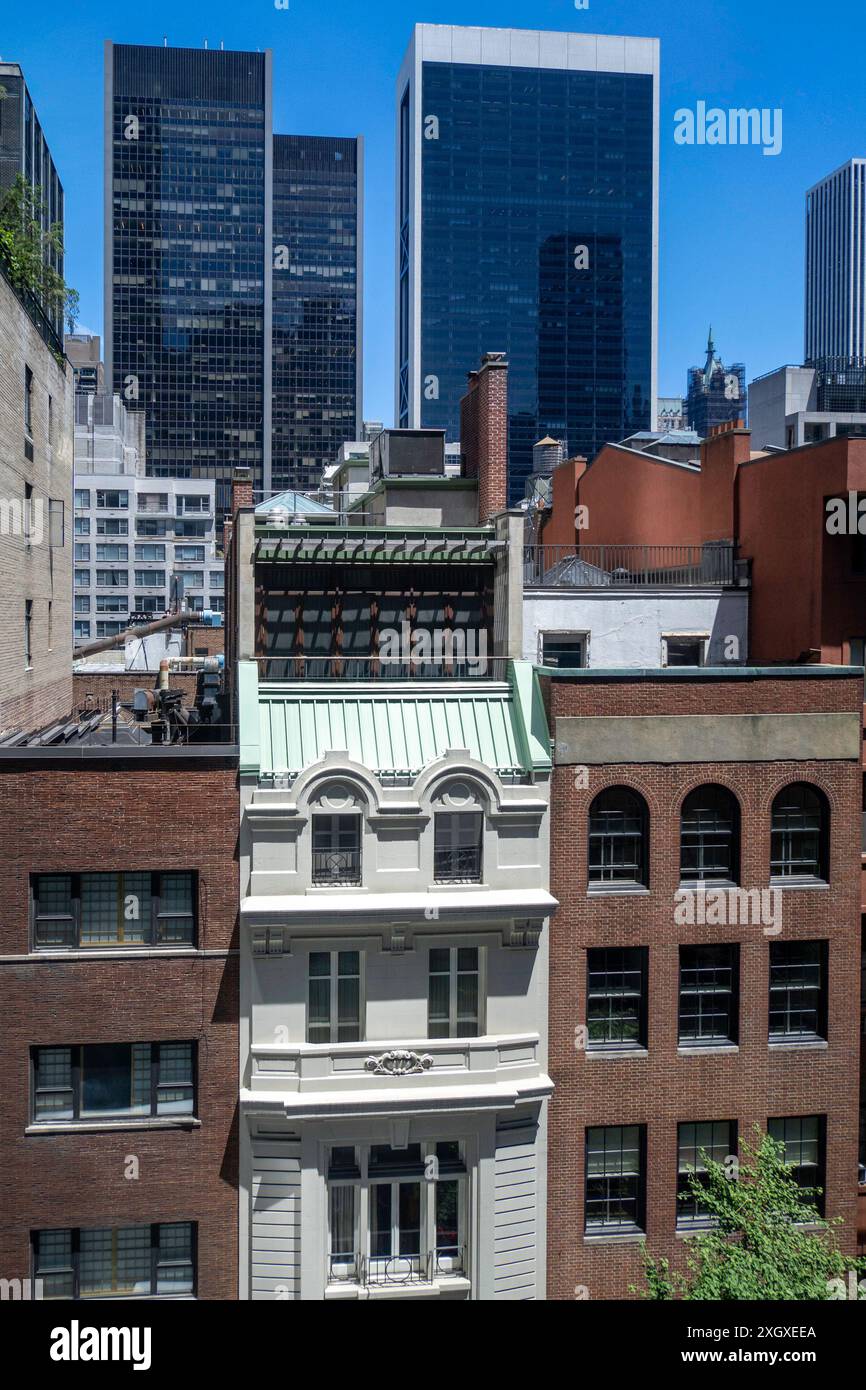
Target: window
x,y
151,528
800,834
454,993
567,649
82,527
82,579
150,579
152,502
112,603
411,1227
112,500
336,849
804,1138
81,631
334,997
28,633
28,400
150,554
82,552
82,603
217,603
150,603
457,846
127,1261
113,1080
112,526
118,909
798,990
709,836
108,554
856,651
109,629
682,650
112,579
709,988
82,497
717,1139
618,839
616,994
197,504
615,1179
189,554
191,529
192,579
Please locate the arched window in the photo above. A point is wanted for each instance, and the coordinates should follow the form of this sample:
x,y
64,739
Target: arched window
x,y
337,823
618,823
800,834
710,836
458,834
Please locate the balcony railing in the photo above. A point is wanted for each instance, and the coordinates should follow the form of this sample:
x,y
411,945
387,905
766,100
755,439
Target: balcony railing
x,y
446,1262
375,668
457,865
336,866
631,566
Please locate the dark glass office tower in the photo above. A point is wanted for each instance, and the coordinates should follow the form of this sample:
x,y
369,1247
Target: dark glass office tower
x,y
24,150
527,208
188,274
317,393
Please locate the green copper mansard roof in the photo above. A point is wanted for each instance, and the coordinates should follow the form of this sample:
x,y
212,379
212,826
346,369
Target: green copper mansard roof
x,y
285,726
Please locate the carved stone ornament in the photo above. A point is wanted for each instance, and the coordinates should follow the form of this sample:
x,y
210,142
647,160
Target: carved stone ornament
x,y
398,1064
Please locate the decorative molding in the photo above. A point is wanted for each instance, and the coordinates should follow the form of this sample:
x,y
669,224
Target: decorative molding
x,y
399,1063
524,937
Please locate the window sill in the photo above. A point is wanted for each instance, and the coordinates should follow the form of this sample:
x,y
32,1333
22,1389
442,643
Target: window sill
x,y
605,890
707,885
798,1044
435,1289
616,1053
707,1048
801,885
614,1238
101,1126
107,953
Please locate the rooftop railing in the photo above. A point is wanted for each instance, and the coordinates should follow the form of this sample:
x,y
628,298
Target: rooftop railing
x,y
632,566
373,668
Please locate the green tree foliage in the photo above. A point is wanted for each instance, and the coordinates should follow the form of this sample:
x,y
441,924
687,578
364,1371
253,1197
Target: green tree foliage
x,y
25,246
769,1241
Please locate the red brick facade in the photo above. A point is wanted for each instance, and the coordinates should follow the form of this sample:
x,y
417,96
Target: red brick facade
x,y
665,1086
484,434
161,811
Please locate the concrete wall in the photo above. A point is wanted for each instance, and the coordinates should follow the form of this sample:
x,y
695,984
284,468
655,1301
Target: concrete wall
x,y
626,629
31,568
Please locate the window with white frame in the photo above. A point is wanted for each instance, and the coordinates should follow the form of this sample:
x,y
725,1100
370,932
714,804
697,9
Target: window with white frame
x,y
685,649
397,1216
454,992
337,848
458,839
334,997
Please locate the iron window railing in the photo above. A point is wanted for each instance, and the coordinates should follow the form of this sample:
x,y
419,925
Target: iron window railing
x,y
336,866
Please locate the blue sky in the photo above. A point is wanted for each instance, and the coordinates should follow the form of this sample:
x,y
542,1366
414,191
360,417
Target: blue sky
x,y
731,218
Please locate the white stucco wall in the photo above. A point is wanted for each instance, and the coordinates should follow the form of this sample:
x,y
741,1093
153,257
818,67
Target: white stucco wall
x,y
625,629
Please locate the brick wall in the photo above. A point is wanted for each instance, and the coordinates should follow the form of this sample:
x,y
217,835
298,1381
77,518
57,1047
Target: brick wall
x,y
100,685
664,1087
34,570
484,434
182,815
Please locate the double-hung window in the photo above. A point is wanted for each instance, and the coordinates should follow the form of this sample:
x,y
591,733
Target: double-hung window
x,y
709,987
798,990
804,1141
617,997
615,1179
714,1139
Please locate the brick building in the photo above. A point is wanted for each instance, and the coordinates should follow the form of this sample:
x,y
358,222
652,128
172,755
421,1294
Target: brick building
x,y
669,1034
118,984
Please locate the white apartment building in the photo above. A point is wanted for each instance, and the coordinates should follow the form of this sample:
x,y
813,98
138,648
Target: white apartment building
x,y
394,924
139,542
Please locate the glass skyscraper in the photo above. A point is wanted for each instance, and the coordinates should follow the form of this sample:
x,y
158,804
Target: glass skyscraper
x,y
527,196
317,392
237,334
836,268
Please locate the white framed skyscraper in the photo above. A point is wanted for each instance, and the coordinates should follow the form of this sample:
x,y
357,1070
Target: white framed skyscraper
x,y
836,265
527,223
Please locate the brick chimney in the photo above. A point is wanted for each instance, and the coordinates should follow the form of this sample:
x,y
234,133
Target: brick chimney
x,y
725,448
242,489
484,434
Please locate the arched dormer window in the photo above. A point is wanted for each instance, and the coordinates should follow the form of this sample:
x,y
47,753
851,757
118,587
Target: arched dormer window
x,y
337,823
458,831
